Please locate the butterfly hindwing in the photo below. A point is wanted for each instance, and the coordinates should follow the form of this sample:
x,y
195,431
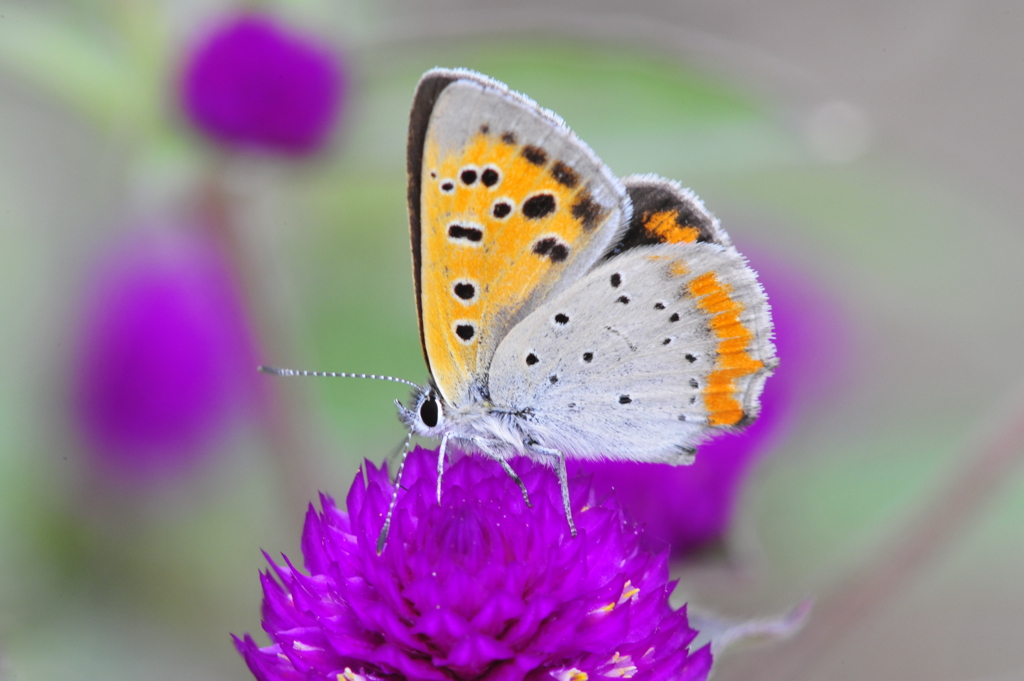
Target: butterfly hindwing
x,y
643,357
507,207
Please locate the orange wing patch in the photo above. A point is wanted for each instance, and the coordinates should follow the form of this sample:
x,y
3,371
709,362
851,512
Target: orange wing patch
x,y
664,226
500,221
732,361
666,213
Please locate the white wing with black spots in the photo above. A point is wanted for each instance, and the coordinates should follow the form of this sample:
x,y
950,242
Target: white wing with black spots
x,y
638,359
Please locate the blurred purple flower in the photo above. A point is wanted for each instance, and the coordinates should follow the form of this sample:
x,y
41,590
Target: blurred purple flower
x,y
253,82
480,587
165,355
692,506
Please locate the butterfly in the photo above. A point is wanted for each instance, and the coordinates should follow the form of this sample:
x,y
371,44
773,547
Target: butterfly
x,y
563,312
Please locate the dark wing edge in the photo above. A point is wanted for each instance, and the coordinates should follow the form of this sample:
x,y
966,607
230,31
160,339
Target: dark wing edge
x,y
427,91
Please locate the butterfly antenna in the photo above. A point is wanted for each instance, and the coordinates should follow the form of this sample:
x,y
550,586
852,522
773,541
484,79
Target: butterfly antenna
x,y
383,538
277,371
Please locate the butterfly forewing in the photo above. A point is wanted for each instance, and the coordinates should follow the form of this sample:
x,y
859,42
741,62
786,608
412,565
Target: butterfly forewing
x,y
645,356
511,209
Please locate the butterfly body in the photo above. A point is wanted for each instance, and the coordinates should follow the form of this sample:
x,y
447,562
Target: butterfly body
x,y
564,312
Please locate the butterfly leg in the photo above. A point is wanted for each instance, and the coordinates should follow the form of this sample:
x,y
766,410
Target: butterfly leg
x,y
442,450
382,539
563,479
515,478
483,447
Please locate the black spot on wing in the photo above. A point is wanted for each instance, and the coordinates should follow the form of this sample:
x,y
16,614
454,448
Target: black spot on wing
x,y
464,290
587,211
625,399
564,175
501,210
561,318
539,206
468,177
531,359
535,155
551,248
489,177
559,253
465,331
508,138
616,280
463,232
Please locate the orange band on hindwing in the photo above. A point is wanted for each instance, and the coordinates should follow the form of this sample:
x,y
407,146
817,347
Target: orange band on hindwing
x,y
665,227
732,360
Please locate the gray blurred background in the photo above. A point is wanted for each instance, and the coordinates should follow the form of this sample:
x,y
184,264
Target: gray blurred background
x,y
877,146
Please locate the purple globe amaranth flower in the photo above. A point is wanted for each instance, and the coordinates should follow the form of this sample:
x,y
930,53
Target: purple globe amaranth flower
x,y
480,587
692,506
255,83
165,354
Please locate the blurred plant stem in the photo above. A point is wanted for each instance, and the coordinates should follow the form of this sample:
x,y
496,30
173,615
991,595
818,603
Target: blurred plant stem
x,y
941,521
290,451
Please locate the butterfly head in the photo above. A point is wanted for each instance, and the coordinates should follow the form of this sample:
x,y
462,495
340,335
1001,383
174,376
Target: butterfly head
x,y
426,414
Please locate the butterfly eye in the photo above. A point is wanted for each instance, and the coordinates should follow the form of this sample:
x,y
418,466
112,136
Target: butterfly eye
x,y
429,411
